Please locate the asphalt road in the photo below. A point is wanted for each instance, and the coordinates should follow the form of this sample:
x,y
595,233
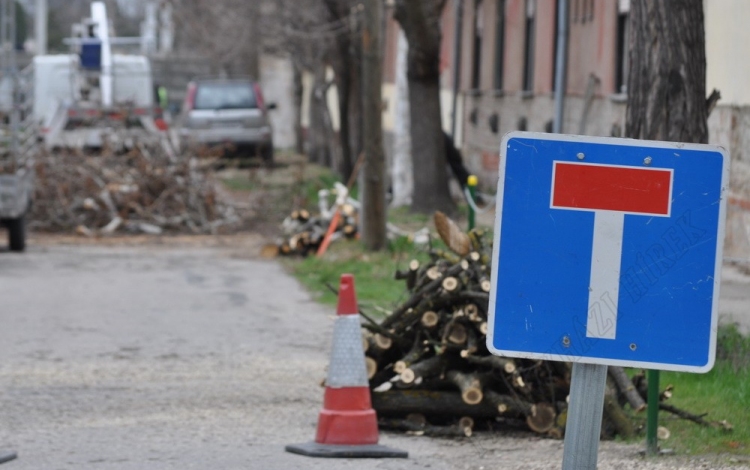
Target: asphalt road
x,y
158,357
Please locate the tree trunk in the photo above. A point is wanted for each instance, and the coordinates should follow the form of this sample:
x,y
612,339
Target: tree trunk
x,y
318,148
343,65
402,178
345,165
356,123
667,79
299,137
251,55
420,20
346,62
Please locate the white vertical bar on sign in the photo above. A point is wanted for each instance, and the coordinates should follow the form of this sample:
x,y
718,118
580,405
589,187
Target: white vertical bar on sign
x,y
604,286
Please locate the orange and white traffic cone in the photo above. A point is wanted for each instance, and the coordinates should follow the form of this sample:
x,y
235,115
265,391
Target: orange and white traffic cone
x,y
347,424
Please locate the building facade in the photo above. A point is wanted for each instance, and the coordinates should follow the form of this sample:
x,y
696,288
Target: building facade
x,y
506,63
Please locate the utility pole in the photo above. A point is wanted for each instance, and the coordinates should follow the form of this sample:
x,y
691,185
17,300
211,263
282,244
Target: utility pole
x,y
373,169
457,36
40,26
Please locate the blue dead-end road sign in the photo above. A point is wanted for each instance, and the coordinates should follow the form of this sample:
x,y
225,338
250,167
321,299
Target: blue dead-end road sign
x,y
608,251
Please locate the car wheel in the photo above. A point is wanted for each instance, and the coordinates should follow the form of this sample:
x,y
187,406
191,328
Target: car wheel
x,y
16,233
267,154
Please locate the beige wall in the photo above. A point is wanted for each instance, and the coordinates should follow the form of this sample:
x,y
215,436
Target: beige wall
x,y
727,51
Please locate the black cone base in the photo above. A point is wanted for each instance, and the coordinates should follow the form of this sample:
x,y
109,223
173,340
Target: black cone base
x,y
374,451
6,455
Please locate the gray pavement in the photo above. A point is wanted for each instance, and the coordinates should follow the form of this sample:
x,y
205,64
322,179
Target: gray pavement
x,y
152,357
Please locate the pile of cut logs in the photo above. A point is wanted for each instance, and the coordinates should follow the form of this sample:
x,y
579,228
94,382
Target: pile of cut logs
x,y
431,373
304,232
148,189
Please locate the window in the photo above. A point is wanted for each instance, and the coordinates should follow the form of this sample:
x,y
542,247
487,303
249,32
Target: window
x,y
225,96
528,55
477,59
623,38
583,10
499,44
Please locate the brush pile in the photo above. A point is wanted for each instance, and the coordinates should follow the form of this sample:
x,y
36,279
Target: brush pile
x,y
148,189
431,373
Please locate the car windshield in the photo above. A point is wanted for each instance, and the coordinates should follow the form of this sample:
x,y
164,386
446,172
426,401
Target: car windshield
x,y
225,96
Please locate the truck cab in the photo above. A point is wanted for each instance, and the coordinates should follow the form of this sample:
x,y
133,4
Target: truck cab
x,y
71,114
93,94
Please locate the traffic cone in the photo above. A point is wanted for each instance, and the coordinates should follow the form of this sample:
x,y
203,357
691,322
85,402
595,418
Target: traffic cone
x,y
347,424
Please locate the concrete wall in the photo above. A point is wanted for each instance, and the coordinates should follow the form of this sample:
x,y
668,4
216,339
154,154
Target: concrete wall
x,y
729,126
481,145
277,81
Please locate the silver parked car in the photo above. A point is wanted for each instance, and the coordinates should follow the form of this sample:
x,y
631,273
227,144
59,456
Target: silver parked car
x,y
221,112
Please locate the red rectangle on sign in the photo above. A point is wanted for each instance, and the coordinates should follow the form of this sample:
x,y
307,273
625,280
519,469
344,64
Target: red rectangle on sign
x,y
611,188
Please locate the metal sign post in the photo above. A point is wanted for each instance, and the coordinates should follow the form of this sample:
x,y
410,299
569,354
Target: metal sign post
x,y
607,252
584,416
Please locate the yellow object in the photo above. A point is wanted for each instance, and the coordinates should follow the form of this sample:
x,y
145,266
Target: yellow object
x,y
472,180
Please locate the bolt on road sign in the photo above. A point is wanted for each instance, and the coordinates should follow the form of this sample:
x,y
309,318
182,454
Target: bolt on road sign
x,y
608,251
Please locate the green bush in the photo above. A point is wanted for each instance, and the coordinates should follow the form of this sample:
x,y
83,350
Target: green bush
x,y
733,348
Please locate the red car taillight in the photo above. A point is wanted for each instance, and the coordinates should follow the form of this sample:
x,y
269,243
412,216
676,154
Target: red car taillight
x,y
190,96
259,98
